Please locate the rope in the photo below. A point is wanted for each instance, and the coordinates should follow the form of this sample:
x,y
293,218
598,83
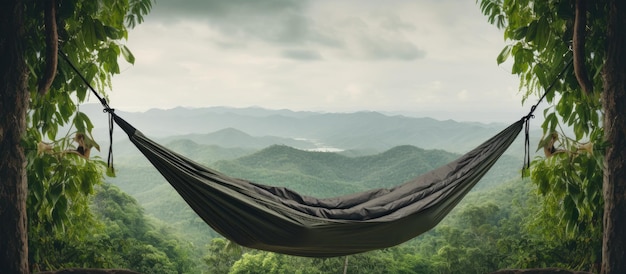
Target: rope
x,y
531,115
104,103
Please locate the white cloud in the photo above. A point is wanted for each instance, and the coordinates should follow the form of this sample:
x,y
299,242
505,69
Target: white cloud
x,y
463,95
318,55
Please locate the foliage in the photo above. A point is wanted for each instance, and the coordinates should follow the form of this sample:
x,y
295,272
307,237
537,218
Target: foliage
x,y
142,245
221,257
549,244
59,186
115,235
267,262
540,36
91,33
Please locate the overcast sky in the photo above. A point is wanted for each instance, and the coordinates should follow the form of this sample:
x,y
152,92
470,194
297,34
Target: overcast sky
x,y
427,57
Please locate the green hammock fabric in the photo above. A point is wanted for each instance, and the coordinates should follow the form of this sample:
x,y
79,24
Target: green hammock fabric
x,y
280,220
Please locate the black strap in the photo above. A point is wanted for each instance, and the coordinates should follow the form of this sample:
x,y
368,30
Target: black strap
x,y
106,106
531,115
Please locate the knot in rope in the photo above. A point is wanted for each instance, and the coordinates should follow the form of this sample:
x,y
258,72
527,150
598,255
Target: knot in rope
x,y
531,114
527,140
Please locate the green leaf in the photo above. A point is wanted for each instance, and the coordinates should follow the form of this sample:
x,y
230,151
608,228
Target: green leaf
x,y
89,35
551,122
519,33
56,191
130,58
110,172
79,123
51,131
531,32
542,34
99,30
84,121
85,185
40,168
113,33
540,73
504,54
90,143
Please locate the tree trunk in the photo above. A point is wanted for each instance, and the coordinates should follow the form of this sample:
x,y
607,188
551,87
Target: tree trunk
x,y
614,103
13,107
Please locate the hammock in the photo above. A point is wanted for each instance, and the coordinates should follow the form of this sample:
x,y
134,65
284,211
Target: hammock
x,y
280,220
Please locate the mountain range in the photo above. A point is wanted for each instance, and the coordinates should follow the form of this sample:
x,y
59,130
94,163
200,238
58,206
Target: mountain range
x,y
259,128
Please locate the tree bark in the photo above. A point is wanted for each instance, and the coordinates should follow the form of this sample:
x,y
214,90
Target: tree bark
x,y
13,108
614,104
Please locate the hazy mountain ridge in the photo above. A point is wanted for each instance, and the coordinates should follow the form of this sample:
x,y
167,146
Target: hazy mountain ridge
x,y
358,130
231,138
127,155
207,154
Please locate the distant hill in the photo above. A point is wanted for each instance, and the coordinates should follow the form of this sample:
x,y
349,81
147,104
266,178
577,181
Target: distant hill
x,y
127,155
206,154
324,174
277,164
231,138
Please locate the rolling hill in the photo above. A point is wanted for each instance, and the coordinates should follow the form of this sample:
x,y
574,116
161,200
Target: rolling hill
x,y
234,138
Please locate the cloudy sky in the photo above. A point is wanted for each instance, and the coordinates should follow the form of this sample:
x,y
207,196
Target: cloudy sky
x,y
425,57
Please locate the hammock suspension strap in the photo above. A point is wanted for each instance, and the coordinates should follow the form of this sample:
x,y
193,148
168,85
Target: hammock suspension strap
x,y
531,115
106,109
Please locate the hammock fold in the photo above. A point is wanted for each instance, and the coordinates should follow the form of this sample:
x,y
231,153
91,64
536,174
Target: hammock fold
x,y
281,220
